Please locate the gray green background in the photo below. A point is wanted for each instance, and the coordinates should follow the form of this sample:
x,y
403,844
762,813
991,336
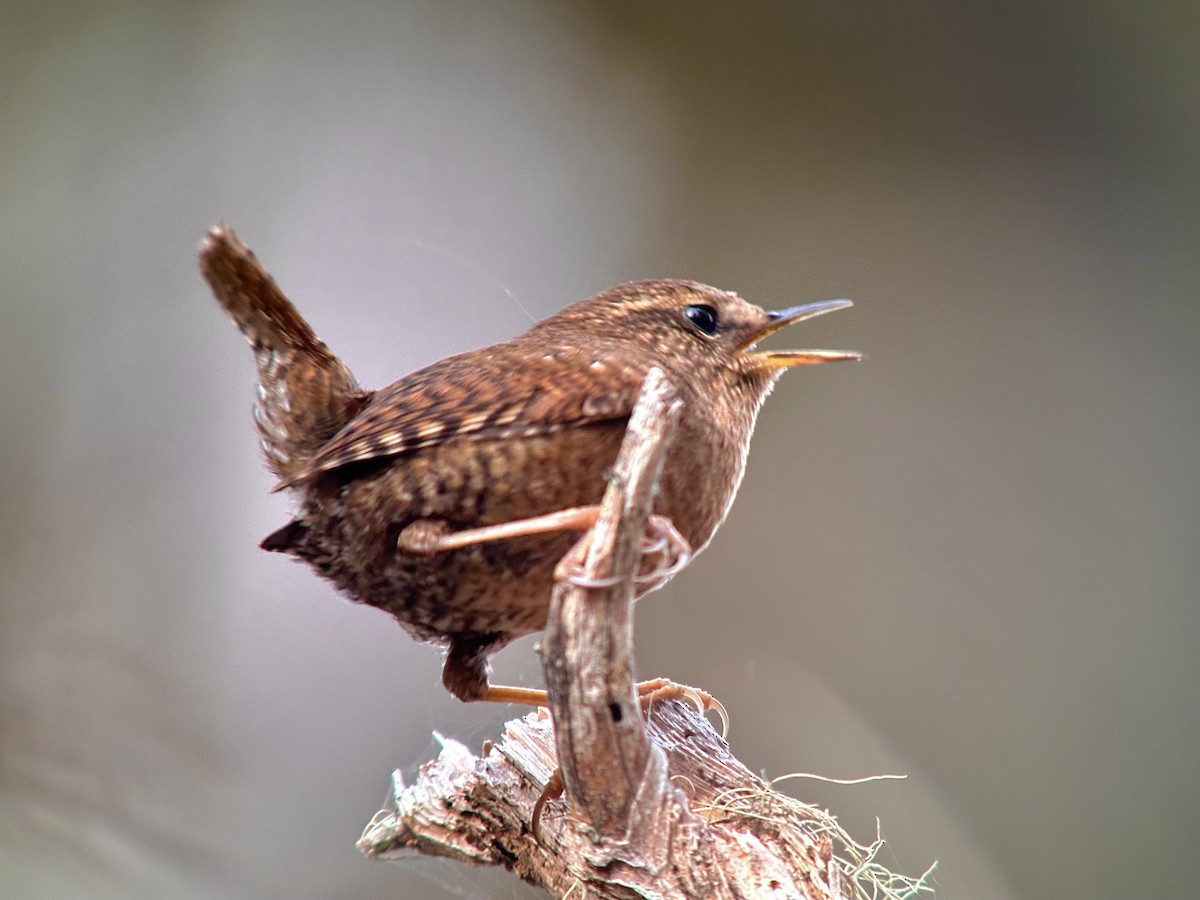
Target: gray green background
x,y
971,558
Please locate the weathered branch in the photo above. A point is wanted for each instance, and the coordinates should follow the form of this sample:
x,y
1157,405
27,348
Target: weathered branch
x,y
587,653
652,809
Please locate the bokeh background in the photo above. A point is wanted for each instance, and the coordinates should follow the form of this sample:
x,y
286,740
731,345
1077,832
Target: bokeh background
x,y
971,558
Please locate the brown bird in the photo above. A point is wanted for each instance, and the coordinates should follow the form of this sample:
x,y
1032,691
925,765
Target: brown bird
x,y
449,497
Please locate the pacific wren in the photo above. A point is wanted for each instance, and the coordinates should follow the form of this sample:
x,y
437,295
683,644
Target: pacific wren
x,y
448,498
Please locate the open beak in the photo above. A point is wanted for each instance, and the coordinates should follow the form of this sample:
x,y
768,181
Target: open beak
x,y
785,359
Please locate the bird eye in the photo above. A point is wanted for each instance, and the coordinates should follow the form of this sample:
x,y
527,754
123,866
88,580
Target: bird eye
x,y
703,318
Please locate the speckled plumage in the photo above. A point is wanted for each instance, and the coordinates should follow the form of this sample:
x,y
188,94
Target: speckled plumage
x,y
507,432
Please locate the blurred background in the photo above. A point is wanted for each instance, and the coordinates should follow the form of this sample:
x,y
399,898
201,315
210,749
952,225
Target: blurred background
x,y
971,558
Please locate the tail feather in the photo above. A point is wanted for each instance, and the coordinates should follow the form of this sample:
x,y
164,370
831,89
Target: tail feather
x,y
305,393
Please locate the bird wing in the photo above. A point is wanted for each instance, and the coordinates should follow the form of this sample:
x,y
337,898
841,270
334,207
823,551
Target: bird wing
x,y
501,391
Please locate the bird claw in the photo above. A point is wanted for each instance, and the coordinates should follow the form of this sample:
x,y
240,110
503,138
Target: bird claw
x,y
647,692
552,791
667,542
570,568
594,584
665,689
663,539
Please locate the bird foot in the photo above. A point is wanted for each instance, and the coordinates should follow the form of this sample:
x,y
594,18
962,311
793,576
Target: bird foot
x,y
662,540
648,692
657,689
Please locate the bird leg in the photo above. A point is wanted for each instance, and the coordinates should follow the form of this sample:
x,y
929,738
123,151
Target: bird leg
x,y
465,675
430,536
648,693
